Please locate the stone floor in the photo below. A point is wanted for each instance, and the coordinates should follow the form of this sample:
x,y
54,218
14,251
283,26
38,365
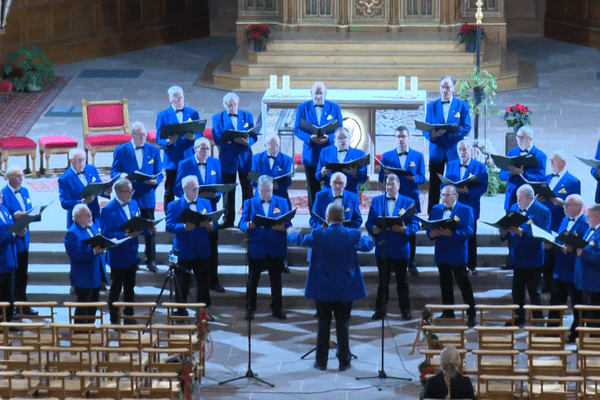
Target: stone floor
x,y
565,116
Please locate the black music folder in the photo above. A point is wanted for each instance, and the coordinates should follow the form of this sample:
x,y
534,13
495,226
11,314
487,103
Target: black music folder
x,y
217,188
347,222
398,171
268,222
33,215
253,176
181,129
543,235
97,188
139,224
445,223
319,130
231,134
388,222
572,239
358,163
140,176
526,160
471,182
590,162
104,242
512,219
541,189
196,218
424,126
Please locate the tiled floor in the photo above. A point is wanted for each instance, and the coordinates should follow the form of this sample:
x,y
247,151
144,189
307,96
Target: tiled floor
x,y
565,116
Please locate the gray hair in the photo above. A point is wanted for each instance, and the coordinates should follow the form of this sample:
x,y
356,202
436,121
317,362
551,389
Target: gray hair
x,y
138,127
78,208
340,174
14,170
270,137
526,189
393,177
451,187
335,212
121,182
201,140
452,79
230,96
466,142
174,89
576,198
559,153
316,85
341,129
526,129
76,152
188,179
265,180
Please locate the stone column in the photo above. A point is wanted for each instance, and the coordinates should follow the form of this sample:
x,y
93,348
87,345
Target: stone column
x,y
343,23
394,10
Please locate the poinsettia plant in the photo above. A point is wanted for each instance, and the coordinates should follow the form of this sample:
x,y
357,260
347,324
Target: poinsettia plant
x,y
468,33
517,116
258,33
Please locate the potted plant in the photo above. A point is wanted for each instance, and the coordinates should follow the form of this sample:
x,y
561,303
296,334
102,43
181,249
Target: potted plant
x,y
362,187
483,85
258,34
516,116
468,36
29,68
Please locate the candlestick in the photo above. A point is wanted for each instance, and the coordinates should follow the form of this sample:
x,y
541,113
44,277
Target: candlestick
x,y
414,86
401,85
286,85
273,84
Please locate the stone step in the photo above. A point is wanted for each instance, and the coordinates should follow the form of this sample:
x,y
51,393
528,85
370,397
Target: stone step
x,y
335,57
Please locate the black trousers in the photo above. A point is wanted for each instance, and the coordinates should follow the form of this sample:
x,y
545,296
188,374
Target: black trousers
x,y
21,276
385,266
526,278
435,167
86,296
313,185
199,266
122,279
472,248
548,271
462,280
170,176
213,260
274,266
150,251
341,312
7,284
412,240
561,291
593,299
229,198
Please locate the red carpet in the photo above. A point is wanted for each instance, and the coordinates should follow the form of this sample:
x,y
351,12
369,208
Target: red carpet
x,y
24,108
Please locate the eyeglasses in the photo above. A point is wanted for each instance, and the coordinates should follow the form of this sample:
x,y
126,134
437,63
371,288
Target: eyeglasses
x,y
448,194
203,148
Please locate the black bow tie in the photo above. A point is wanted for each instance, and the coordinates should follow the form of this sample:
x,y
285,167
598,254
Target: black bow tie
x,y
404,153
82,172
273,157
446,102
523,211
464,165
233,115
177,111
139,147
571,219
124,204
342,151
524,151
447,209
318,105
192,202
18,191
338,197
391,199
265,201
201,163
555,175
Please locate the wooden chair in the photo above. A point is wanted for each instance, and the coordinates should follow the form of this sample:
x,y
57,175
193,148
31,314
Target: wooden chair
x,y
591,388
496,362
19,146
588,338
74,318
45,315
588,362
496,315
532,310
130,336
156,384
11,385
119,359
72,348
55,144
501,387
497,337
546,338
544,387
20,358
59,384
191,319
112,385
547,362
22,333
446,336
459,310
588,315
143,312
3,306
104,116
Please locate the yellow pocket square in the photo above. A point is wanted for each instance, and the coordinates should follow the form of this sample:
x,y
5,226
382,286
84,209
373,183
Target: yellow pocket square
x,y
592,243
189,119
347,209
456,218
246,125
93,179
401,211
276,210
412,164
213,173
562,191
457,115
137,214
151,161
28,201
470,175
204,211
329,117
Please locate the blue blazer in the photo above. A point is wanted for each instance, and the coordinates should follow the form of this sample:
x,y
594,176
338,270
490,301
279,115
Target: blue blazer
x,y
183,147
69,188
281,166
453,250
265,242
415,164
111,219
529,173
306,110
8,255
329,154
333,272
475,168
593,172
124,161
397,245
564,264
194,243
587,267
189,166
234,156
12,204
350,203
445,145
566,186
87,270
525,251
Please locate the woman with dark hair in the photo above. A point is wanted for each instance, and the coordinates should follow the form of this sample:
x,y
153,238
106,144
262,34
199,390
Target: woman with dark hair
x,y
449,383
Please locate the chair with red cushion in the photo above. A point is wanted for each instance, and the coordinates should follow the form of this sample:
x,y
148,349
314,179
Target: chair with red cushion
x,y
56,144
104,116
19,146
209,134
5,88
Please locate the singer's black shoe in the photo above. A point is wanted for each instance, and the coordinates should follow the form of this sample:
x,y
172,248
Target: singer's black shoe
x,y
344,366
412,268
151,265
217,287
319,367
279,315
378,315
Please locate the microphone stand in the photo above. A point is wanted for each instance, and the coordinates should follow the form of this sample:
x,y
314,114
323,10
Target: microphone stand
x,y
382,375
249,373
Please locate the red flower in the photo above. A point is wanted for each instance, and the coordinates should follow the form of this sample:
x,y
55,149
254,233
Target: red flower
x,y
509,109
254,35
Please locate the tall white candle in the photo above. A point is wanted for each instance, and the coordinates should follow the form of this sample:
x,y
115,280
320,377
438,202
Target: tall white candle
x,y
273,84
401,85
414,86
286,85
